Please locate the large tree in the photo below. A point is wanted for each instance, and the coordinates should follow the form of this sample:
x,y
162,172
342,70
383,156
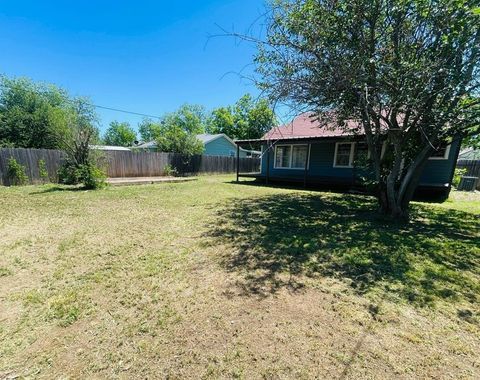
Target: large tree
x,y
407,71
119,134
246,119
32,115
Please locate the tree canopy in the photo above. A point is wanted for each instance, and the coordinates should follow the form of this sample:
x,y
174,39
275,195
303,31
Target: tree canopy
x,y
407,71
148,130
119,134
177,131
246,119
34,115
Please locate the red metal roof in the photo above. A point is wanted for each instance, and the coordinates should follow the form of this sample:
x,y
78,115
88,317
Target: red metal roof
x,y
308,125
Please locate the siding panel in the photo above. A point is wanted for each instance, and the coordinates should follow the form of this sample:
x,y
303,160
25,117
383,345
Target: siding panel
x,y
220,147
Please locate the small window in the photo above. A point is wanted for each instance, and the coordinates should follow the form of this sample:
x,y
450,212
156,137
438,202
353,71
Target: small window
x,y
291,156
441,153
343,155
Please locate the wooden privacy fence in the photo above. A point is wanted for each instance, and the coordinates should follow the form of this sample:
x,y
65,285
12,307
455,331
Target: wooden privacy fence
x,y
148,164
124,163
31,158
472,166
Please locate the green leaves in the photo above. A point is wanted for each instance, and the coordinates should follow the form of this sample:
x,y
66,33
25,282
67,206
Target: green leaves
x,y
37,115
119,134
246,119
174,138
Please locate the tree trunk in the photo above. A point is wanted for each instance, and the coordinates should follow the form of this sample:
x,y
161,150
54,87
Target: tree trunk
x,y
395,199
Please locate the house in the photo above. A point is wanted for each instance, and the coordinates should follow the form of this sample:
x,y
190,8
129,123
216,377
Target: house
x,y
304,151
215,145
222,145
469,154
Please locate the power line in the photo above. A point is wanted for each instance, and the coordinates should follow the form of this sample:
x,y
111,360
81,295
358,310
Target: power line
x,y
124,111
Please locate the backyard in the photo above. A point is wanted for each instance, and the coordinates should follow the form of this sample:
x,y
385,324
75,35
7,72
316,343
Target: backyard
x,y
210,279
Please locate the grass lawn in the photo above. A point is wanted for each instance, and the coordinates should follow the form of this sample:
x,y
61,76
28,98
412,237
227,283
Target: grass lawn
x,y
212,279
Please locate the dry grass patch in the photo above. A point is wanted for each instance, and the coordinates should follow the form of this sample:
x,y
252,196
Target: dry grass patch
x,y
212,279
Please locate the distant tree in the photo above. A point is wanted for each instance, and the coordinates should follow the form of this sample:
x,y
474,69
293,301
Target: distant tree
x,y
177,130
407,71
149,130
32,115
119,134
176,140
189,117
246,119
222,120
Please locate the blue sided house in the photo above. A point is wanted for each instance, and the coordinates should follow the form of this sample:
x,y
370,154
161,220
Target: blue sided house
x,y
214,145
306,152
222,145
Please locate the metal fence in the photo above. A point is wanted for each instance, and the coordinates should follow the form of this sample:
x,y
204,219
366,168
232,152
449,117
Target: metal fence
x,y
124,163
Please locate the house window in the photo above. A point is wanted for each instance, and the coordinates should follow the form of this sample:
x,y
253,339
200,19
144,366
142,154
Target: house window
x,y
343,155
299,156
291,156
441,153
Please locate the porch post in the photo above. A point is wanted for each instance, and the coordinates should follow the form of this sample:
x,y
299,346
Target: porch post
x,y
306,166
238,160
267,172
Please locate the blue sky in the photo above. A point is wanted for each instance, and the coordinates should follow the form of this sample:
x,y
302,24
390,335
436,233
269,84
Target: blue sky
x,y
144,56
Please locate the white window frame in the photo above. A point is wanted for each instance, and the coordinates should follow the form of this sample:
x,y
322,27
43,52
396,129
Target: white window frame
x,y
350,161
291,157
445,155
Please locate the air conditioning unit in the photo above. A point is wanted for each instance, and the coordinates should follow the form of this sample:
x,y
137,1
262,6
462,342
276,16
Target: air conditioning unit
x,y
468,183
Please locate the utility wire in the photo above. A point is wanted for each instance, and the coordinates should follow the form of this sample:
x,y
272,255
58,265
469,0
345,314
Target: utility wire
x,y
124,111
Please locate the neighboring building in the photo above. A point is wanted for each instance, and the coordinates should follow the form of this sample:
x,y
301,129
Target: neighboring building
x,y
469,154
109,147
215,145
303,151
222,145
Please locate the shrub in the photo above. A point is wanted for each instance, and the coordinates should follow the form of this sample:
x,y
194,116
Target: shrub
x,y
67,174
170,171
16,173
91,176
457,176
42,170
87,174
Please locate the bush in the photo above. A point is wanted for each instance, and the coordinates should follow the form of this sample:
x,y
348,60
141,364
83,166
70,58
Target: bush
x,y
91,176
170,171
16,173
457,176
42,170
87,174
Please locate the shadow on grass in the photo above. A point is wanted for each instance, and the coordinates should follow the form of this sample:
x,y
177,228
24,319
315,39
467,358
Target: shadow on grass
x,y
276,240
58,188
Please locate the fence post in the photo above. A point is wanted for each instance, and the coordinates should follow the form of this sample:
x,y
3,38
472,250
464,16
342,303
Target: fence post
x,y
238,160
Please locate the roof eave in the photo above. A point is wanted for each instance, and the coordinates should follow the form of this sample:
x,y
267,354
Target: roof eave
x,y
295,138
